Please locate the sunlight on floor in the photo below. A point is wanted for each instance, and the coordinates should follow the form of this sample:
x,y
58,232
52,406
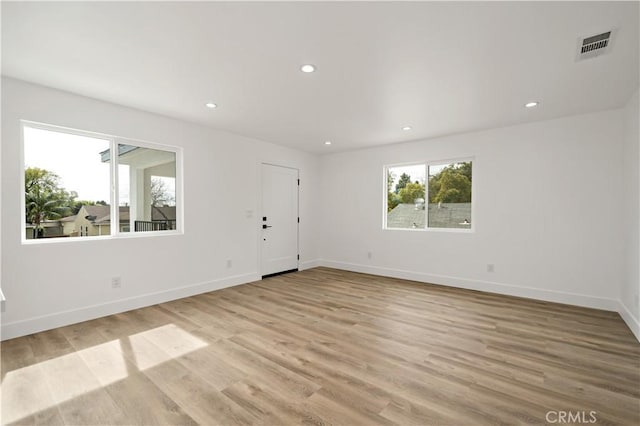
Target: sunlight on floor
x,y
162,344
31,389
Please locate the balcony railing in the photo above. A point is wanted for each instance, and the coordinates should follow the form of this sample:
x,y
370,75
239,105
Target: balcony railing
x,y
154,225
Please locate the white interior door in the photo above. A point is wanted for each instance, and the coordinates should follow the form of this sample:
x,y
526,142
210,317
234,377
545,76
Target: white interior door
x,y
279,219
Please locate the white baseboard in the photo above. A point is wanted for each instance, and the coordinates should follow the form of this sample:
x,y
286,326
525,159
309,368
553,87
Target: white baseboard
x,y
308,264
64,318
632,322
488,286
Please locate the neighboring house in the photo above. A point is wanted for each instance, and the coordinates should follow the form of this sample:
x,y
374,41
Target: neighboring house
x,y
89,221
68,225
406,216
143,165
96,220
103,222
48,229
450,215
442,215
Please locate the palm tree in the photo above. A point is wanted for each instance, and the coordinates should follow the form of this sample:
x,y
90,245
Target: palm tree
x,y
44,199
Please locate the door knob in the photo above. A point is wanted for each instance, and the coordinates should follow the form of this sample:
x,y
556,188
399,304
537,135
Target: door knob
x,y
266,226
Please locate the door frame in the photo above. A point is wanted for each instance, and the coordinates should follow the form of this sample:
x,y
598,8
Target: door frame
x,y
260,214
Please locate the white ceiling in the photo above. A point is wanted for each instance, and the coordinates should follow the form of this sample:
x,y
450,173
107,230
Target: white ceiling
x,y
439,67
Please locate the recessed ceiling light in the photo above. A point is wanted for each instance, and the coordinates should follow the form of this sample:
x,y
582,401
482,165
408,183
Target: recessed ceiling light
x,y
327,143
210,105
531,104
308,68
406,128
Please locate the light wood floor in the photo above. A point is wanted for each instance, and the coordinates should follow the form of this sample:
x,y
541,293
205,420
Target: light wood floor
x,y
328,347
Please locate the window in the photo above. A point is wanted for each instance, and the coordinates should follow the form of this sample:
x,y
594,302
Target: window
x,y
68,181
147,189
429,195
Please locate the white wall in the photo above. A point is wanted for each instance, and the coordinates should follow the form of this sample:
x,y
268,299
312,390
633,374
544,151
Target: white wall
x,y
631,203
49,285
548,212
556,212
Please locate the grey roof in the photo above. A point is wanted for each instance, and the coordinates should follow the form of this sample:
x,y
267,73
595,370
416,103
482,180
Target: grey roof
x,y
450,215
98,211
444,215
103,213
105,219
69,218
406,216
48,223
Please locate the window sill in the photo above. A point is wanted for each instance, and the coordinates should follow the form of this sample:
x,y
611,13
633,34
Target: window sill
x,y
121,236
452,230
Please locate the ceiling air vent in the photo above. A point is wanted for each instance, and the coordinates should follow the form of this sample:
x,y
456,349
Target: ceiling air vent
x,y
593,46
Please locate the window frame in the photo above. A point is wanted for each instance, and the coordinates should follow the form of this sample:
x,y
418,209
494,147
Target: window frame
x,y
113,140
427,164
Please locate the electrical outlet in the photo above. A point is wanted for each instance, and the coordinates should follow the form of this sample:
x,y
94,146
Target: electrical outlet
x,y
369,255
116,282
490,267
229,263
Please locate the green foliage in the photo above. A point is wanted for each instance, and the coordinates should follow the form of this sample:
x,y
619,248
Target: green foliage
x,y
44,198
390,179
35,177
451,185
76,205
404,180
393,200
411,192
464,169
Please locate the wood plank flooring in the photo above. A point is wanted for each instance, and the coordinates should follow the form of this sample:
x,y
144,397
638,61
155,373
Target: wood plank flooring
x,y
328,347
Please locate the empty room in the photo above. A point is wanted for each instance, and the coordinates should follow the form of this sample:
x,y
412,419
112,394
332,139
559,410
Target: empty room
x,y
330,213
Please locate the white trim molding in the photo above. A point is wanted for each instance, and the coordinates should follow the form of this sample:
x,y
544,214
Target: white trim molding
x,y
308,264
64,318
498,288
632,322
487,286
